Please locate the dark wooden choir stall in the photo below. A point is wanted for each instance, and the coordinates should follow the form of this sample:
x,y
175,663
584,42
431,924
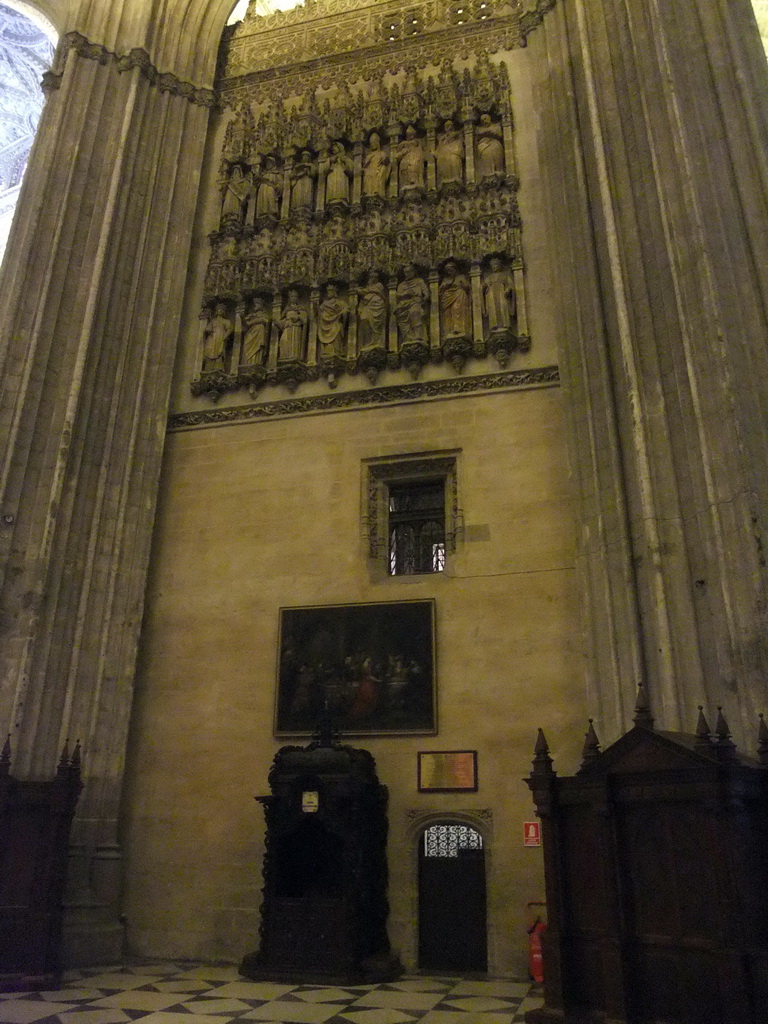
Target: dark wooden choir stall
x,y
656,866
35,820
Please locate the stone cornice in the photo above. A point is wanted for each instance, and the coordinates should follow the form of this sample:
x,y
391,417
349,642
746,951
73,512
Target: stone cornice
x,y
135,58
517,380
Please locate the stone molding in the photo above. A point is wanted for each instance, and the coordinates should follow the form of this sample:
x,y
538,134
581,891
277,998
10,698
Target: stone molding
x,y
517,380
135,58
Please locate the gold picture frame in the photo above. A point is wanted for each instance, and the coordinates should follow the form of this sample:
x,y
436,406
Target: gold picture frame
x,y
447,771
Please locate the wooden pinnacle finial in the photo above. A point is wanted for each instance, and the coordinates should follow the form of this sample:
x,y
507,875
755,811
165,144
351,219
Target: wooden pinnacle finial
x,y
703,733
725,745
76,759
591,749
542,762
643,716
762,742
64,759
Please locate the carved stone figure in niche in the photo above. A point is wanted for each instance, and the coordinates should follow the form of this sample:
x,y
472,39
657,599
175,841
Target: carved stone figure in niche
x,y
292,325
218,331
499,297
256,337
490,150
376,168
449,155
332,323
372,312
269,189
412,306
411,158
236,195
301,187
454,302
337,186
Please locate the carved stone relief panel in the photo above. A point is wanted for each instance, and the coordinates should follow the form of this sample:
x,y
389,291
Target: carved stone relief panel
x,y
366,227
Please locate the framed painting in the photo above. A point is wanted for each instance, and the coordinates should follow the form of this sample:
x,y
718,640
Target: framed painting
x,y
371,665
446,771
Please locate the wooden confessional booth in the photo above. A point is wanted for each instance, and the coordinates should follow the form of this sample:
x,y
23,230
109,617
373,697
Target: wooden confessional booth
x,y
656,866
324,909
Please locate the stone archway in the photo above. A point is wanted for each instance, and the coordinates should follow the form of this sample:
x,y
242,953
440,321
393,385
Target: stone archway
x,y
26,52
479,819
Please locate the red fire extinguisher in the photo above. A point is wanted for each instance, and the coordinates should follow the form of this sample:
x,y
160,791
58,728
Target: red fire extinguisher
x,y
535,931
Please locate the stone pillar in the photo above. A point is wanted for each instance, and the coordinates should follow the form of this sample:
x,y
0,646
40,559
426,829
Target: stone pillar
x,y
392,340
469,151
274,335
521,308
314,302
431,149
351,346
285,205
87,343
357,180
237,341
477,303
434,310
656,173
509,145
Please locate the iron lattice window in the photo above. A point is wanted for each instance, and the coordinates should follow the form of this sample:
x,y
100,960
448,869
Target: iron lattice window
x,y
447,840
416,527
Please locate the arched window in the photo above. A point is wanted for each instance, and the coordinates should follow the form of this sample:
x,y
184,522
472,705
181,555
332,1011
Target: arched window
x,y
26,51
260,7
761,13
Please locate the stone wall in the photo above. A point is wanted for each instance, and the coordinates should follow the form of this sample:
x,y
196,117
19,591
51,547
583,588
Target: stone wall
x,y
260,516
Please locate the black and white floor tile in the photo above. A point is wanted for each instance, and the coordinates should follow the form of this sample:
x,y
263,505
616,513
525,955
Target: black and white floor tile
x,y
183,993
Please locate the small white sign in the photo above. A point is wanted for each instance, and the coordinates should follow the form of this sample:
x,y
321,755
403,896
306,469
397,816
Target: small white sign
x,y
310,801
532,833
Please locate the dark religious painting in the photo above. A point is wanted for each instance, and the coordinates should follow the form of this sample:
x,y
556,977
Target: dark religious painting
x,y
371,665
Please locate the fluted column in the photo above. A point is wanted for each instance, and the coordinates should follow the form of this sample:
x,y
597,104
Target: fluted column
x,y
92,296
658,201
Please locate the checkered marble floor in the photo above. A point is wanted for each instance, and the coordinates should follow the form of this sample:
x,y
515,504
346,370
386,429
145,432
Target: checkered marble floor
x,y
183,993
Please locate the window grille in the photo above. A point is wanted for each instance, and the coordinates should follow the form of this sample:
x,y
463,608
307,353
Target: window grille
x,y
416,527
448,840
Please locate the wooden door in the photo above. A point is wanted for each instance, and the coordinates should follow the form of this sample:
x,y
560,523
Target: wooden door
x,y
452,900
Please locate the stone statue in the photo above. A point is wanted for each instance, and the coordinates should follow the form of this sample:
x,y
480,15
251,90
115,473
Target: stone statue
x,y
292,325
454,302
376,168
372,313
269,189
449,155
332,323
302,185
218,331
499,296
337,185
411,158
256,337
412,306
490,150
235,195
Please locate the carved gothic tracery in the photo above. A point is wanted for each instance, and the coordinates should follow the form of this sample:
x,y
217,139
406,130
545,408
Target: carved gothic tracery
x,y
366,229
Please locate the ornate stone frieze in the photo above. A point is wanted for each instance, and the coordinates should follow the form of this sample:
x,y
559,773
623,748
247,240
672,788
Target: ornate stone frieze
x,y
135,58
369,227
545,376
329,29
315,43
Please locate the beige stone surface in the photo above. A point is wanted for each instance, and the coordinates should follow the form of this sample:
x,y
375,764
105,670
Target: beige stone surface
x,y
257,517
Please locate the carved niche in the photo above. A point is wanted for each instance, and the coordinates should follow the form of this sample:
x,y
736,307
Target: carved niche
x,y
364,229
